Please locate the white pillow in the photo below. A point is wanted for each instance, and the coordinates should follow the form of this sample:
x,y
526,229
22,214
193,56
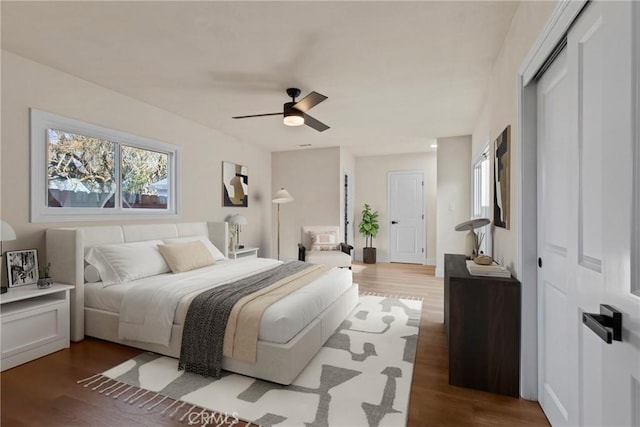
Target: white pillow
x,y
217,255
91,274
128,261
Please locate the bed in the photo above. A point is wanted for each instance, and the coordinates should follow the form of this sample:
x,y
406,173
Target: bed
x,y
291,330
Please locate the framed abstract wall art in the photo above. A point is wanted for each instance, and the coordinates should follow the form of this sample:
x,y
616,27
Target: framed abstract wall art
x,y
235,185
501,182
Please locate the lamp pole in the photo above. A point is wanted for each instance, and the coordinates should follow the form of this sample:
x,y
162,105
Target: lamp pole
x,y
282,196
278,230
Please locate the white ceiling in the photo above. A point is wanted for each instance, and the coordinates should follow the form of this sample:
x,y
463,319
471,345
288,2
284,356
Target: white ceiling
x,y
397,74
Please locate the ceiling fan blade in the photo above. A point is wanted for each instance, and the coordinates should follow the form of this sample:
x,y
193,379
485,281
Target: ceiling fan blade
x,y
316,124
309,101
257,115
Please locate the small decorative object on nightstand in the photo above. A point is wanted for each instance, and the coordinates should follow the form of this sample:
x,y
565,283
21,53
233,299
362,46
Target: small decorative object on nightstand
x,y
45,281
237,221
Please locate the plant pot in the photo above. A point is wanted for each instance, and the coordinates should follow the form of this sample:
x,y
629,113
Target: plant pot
x,y
45,282
369,255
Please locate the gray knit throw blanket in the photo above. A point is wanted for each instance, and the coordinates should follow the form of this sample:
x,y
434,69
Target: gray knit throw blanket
x,y
208,313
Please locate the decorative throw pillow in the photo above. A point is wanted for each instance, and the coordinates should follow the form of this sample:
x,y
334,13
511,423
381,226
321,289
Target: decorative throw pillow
x,y
186,256
217,255
325,241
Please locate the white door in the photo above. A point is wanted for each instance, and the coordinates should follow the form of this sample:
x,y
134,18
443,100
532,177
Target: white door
x,y
585,195
406,217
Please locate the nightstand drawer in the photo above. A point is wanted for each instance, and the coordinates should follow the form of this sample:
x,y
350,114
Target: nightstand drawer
x,y
244,253
28,329
33,328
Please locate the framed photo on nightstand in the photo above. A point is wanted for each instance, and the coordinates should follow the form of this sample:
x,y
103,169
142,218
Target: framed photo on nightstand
x,y
22,267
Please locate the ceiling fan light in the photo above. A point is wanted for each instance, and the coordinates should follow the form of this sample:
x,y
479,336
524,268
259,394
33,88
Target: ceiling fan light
x,y
293,120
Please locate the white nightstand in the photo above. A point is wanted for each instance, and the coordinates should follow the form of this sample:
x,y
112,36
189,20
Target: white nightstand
x,y
34,322
244,253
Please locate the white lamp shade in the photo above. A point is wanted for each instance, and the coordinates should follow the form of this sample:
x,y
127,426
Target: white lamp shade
x,y
6,232
282,196
238,220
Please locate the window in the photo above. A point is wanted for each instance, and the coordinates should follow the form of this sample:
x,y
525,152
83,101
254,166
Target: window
x,y
482,197
85,172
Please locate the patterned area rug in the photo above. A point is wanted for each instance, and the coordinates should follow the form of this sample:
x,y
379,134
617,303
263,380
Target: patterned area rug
x,y
360,377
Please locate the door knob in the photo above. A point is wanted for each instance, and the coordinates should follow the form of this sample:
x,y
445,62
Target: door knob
x,y
607,325
394,222
539,262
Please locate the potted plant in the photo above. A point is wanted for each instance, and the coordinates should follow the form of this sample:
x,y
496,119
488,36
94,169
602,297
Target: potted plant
x,y
45,280
369,229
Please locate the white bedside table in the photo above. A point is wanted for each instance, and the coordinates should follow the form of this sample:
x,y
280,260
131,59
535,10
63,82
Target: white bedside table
x,y
34,322
244,253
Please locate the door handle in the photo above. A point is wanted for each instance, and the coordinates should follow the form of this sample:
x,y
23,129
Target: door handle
x,y
607,325
394,222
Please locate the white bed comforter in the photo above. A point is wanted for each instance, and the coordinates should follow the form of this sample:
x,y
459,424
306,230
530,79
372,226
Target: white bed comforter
x,y
148,308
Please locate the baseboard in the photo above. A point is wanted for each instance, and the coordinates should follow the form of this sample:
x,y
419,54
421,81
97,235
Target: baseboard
x,y
439,272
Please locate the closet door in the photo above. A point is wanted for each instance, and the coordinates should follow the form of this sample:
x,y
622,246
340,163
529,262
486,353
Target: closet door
x,y
586,146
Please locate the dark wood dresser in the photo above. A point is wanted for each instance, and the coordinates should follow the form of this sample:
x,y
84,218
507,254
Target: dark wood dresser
x,y
482,317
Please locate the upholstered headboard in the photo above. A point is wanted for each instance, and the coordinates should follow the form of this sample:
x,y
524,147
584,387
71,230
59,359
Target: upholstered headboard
x,y
66,249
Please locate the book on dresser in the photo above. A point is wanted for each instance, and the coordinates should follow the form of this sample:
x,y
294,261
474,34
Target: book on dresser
x,y
492,270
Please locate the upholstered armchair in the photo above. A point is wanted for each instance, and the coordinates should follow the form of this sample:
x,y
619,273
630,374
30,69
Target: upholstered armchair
x,y
320,245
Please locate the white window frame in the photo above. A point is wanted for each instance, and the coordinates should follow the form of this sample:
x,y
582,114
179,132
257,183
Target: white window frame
x,y
475,196
41,212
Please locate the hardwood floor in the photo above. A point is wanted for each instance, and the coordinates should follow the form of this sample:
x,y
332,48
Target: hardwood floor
x,y
44,392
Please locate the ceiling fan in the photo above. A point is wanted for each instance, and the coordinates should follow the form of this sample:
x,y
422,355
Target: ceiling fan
x,y
295,113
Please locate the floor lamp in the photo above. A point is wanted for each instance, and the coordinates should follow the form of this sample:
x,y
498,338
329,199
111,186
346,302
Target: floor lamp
x,y
282,196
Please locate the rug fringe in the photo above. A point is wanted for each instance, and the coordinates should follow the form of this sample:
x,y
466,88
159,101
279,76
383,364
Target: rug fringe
x,y
378,294
95,380
109,387
177,409
123,392
87,379
187,413
116,389
169,407
157,403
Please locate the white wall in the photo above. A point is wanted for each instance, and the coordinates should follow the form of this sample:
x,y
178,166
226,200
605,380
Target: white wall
x,y
499,110
454,195
312,177
371,187
27,84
